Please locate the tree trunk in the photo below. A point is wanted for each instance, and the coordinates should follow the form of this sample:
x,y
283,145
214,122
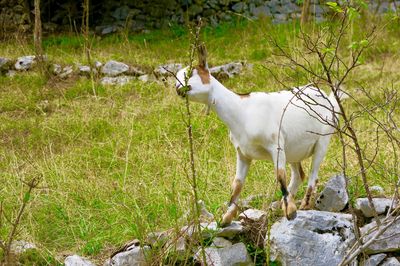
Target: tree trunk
x,y
305,12
37,34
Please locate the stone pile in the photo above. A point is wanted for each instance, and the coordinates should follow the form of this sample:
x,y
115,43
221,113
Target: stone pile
x,y
138,16
315,237
114,72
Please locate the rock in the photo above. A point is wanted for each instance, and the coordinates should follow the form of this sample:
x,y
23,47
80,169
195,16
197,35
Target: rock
x,y
109,29
86,70
382,205
205,215
391,262
211,229
134,257
227,70
221,242
11,73
136,71
313,238
121,13
158,238
144,78
120,80
226,256
114,68
25,62
75,260
164,70
66,72
20,246
377,190
98,64
55,69
334,197
252,215
261,11
389,241
4,64
375,260
239,7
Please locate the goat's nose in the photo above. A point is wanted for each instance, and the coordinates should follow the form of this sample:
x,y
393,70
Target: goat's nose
x,y
182,90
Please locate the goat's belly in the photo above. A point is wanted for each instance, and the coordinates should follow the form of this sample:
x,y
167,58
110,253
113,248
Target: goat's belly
x,y
299,151
255,152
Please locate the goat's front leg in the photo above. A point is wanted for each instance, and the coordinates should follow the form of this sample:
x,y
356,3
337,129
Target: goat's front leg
x,y
242,167
288,203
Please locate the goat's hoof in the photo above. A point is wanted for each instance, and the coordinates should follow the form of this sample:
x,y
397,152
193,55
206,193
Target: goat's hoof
x,y
226,220
305,206
289,208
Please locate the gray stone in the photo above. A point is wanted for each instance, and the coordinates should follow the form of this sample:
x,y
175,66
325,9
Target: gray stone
x,y
25,62
165,70
334,197
76,260
11,73
261,11
253,215
205,215
20,246
239,7
109,29
221,242
227,70
317,9
55,69
226,256
374,260
121,13
86,70
66,72
211,229
114,68
158,238
98,64
391,262
377,190
389,241
136,71
120,80
313,238
134,257
4,64
382,205
195,9
280,17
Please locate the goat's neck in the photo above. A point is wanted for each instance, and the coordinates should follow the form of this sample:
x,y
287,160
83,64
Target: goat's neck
x,y
227,105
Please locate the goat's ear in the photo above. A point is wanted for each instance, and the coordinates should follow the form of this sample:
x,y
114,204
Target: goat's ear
x,y
202,51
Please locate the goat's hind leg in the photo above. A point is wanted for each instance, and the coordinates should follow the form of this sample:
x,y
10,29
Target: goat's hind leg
x,y
242,167
319,154
288,203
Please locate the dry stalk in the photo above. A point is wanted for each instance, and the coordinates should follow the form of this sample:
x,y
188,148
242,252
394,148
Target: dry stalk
x,y
6,244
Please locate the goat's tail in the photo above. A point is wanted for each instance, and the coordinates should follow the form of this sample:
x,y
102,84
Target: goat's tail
x,y
342,95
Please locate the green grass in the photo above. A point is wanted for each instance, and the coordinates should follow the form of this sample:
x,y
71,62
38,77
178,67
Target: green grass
x,y
113,166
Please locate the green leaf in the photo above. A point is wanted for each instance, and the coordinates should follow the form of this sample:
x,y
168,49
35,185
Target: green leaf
x,y
335,7
353,13
27,196
353,45
328,50
364,43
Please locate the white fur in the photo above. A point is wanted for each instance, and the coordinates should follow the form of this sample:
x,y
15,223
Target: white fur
x,y
258,131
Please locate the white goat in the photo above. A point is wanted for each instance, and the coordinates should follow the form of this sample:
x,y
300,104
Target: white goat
x,y
285,126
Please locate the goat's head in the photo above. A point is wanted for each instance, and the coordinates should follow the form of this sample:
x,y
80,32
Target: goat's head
x,y
197,84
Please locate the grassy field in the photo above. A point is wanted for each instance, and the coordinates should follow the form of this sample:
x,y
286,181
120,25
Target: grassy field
x,y
113,165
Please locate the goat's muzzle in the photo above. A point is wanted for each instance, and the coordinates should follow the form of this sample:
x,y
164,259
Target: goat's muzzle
x,y
182,90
